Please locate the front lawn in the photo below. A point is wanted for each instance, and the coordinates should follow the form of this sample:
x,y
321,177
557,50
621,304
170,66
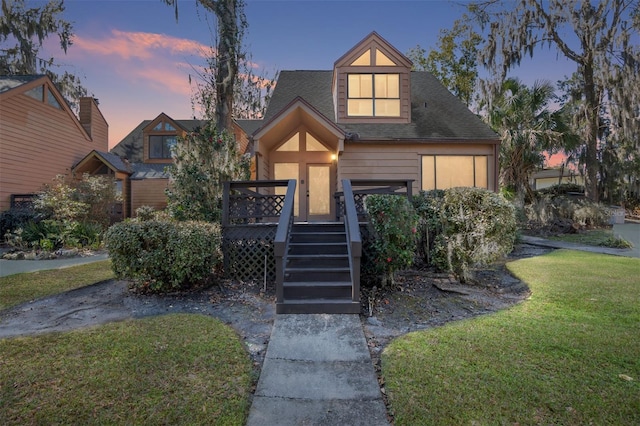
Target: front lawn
x,y
173,369
570,355
20,288
603,237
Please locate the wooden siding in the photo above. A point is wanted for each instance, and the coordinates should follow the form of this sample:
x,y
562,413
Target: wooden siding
x,y
148,192
37,142
403,161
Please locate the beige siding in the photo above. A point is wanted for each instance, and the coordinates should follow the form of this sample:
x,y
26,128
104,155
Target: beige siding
x,y
37,142
403,161
148,192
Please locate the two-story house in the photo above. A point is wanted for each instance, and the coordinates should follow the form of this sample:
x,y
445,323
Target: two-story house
x,y
40,136
369,117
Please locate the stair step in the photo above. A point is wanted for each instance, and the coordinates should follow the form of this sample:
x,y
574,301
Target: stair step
x,y
317,248
317,274
318,237
318,306
317,227
318,260
334,290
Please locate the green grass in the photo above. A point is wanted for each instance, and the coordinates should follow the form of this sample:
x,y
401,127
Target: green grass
x,y
174,369
570,355
594,237
19,288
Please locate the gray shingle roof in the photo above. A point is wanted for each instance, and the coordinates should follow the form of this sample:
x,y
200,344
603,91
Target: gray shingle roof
x,y
148,171
444,117
8,82
114,160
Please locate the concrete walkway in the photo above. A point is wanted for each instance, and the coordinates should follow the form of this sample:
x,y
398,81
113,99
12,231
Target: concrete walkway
x,y
629,231
317,371
11,267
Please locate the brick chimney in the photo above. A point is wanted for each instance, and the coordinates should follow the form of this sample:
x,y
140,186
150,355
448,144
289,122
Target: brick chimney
x,y
94,123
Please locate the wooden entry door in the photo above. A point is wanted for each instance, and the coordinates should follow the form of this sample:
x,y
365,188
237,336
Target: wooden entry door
x,y
319,200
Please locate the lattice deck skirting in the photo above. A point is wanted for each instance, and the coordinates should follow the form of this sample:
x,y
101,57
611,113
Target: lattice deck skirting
x,y
246,248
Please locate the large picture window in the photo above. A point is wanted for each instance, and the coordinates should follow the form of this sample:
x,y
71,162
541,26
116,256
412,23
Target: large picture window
x,y
450,171
373,95
160,146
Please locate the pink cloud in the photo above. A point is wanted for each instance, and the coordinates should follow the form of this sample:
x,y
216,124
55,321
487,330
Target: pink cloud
x,y
139,45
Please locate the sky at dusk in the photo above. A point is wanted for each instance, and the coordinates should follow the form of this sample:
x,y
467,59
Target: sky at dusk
x,y
136,59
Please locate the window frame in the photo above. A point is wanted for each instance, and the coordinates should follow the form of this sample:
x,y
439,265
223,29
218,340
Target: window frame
x,y
474,161
165,145
374,98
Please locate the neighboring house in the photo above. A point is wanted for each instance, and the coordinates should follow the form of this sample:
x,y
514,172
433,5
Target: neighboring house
x,y
370,117
549,177
140,159
40,136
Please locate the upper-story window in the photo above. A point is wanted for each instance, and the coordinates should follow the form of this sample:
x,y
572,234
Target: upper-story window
x,y
373,95
160,146
39,93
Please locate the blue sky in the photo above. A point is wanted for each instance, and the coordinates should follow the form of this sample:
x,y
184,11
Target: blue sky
x,y
136,59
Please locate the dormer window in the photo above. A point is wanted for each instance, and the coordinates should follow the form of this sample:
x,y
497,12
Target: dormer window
x,y
161,136
373,95
160,146
371,84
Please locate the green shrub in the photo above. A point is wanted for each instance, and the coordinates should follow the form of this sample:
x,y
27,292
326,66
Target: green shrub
x,y
13,219
466,228
548,210
394,222
161,256
145,213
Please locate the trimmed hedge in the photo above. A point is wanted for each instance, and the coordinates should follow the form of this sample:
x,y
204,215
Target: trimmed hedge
x,y
163,256
463,228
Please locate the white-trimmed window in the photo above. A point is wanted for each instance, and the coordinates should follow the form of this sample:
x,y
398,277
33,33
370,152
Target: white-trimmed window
x,y
450,171
373,95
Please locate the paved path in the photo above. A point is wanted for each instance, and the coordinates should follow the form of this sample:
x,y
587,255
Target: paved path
x,y
11,267
628,231
317,371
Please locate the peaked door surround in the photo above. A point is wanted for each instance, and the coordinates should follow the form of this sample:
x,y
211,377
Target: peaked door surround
x,y
309,162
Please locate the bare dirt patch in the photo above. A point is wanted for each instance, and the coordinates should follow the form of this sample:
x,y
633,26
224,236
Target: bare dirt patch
x,y
424,299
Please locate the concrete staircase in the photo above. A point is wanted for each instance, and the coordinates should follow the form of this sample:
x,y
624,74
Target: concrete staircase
x,y
317,271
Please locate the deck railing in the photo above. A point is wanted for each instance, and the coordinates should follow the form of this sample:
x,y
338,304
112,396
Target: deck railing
x,y
363,187
281,241
354,240
250,210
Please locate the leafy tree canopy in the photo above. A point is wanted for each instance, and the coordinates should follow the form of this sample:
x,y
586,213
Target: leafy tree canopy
x,y
23,30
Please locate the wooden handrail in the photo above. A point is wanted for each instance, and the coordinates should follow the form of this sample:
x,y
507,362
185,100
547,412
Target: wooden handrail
x,y
281,240
354,246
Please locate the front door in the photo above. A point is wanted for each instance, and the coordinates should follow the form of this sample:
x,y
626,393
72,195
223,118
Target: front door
x,y
319,192
307,160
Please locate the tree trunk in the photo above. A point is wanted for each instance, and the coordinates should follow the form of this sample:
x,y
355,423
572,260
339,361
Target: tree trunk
x,y
591,157
227,62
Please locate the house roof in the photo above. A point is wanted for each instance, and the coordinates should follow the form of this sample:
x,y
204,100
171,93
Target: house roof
x,y
8,82
148,171
436,114
112,161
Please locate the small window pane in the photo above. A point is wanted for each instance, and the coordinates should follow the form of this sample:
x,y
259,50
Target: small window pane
x,y
51,100
168,127
428,173
387,108
285,171
482,175
360,86
363,60
159,126
314,144
387,85
383,60
160,146
292,145
36,93
453,171
360,107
